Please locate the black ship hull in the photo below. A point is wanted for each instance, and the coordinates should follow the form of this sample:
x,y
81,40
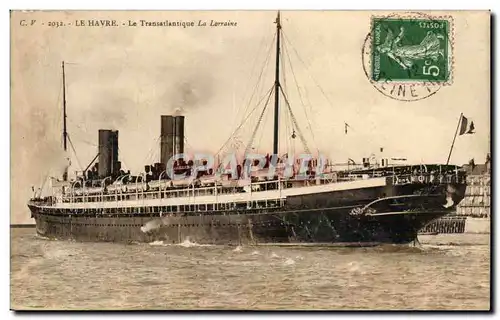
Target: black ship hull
x,y
379,215
322,226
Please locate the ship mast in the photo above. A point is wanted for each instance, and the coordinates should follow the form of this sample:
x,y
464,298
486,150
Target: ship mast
x,y
65,132
277,86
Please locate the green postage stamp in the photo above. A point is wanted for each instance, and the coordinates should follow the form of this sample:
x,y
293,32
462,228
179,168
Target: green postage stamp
x,y
411,49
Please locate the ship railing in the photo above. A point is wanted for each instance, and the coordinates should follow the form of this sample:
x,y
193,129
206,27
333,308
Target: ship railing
x,y
46,201
190,192
142,191
139,190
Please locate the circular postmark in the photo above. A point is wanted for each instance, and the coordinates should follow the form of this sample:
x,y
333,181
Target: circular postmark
x,y
408,56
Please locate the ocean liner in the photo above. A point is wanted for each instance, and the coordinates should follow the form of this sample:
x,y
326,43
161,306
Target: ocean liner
x,y
271,199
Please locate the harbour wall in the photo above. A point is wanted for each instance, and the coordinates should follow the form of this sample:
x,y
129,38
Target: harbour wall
x,y
473,212
477,201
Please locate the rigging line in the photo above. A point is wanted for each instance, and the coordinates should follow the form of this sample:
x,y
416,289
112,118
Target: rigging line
x,y
285,89
255,89
187,143
82,130
88,143
283,69
287,131
254,65
42,187
285,48
45,176
259,88
310,75
285,86
149,154
349,126
40,183
304,88
152,153
81,139
249,145
306,94
155,149
259,79
74,151
155,155
301,99
265,70
243,121
287,125
78,126
262,131
301,136
122,161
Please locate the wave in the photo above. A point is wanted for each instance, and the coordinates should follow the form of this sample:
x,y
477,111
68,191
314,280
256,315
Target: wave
x,y
151,225
157,243
38,236
356,267
274,255
456,244
186,244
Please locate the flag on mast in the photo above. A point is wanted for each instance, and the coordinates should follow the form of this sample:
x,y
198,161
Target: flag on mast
x,y
466,126
346,126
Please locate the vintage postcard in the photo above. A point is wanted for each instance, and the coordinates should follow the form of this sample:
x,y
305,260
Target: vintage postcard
x,y
250,160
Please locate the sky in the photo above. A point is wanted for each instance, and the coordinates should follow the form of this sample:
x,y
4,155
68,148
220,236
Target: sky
x,y
125,78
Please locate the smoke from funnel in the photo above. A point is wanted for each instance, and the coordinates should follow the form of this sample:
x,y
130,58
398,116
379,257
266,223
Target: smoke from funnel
x,y
189,94
108,110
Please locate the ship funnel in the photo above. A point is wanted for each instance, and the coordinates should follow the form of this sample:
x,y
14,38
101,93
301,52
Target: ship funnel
x,y
108,153
179,135
171,138
166,139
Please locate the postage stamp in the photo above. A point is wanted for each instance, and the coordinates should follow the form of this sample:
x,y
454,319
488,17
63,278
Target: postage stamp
x,y
411,49
408,56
